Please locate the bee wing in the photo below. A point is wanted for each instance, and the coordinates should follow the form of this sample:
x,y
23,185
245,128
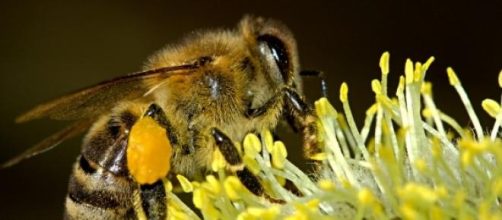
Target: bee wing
x,y
96,99
51,141
89,102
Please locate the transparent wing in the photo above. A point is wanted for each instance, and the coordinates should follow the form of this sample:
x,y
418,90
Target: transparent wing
x,y
96,99
50,142
86,103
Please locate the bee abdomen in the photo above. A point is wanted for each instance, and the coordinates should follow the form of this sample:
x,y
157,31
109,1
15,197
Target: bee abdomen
x,y
101,186
98,194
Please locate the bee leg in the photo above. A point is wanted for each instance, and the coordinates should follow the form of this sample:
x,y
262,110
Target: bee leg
x,y
320,75
256,112
156,113
304,117
231,155
153,200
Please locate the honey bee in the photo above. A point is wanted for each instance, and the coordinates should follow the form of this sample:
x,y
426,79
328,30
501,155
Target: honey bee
x,y
192,99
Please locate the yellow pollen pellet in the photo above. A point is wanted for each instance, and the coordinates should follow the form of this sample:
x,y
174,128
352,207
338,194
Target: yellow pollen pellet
x,y
148,151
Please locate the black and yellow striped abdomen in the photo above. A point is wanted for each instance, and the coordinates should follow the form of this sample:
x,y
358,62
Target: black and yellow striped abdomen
x,y
101,186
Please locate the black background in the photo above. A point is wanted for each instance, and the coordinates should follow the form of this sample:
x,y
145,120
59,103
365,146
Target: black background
x,y
50,48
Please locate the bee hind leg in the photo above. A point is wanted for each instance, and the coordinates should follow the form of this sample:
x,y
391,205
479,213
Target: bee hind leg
x,y
153,201
231,155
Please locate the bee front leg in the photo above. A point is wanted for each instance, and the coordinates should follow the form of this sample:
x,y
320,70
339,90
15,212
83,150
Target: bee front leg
x,y
156,113
299,115
231,155
303,117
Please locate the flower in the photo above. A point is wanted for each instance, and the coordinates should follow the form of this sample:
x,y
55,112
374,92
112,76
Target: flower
x,y
418,164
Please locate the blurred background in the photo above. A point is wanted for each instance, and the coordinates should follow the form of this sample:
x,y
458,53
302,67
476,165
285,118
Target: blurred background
x,y
49,48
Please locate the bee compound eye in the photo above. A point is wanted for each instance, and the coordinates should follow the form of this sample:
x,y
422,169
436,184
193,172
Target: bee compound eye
x,y
278,52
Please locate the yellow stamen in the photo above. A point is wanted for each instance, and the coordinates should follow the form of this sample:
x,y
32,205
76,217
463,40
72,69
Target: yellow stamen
x,y
344,90
500,79
252,145
384,63
408,71
452,77
376,87
233,187
491,107
426,88
218,161
279,155
186,185
251,163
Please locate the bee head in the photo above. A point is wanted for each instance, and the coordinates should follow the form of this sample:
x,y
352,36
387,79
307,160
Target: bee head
x,y
275,46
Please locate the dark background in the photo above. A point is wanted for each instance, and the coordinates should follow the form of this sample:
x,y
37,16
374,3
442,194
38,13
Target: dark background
x,y
50,48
